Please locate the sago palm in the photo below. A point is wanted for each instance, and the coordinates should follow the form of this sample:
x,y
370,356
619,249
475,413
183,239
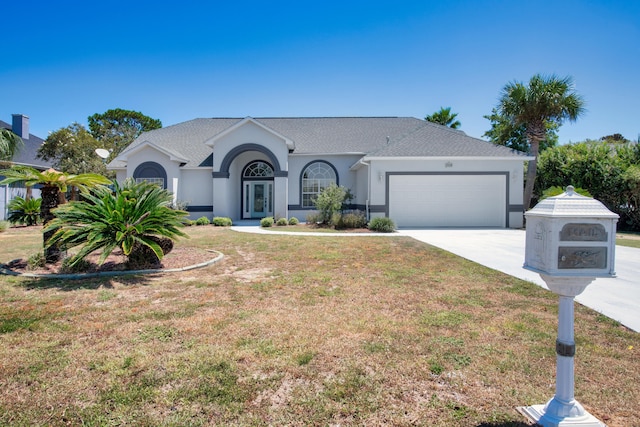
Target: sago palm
x,y
546,99
132,215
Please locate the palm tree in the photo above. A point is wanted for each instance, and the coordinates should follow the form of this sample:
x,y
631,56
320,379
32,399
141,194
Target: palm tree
x,y
54,185
10,144
547,99
134,217
444,118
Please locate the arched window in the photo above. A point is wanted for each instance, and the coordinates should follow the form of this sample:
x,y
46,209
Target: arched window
x,y
151,172
316,177
258,170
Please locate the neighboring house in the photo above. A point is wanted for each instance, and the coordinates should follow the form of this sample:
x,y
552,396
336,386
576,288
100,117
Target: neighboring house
x,y
418,173
27,156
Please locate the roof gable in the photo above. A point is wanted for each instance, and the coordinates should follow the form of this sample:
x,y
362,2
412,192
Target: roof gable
x,y
211,142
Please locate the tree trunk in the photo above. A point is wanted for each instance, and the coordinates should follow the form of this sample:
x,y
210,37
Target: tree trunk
x,y
49,195
534,136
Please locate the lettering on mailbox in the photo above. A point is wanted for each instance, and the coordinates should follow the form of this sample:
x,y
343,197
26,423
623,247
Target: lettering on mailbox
x,y
583,233
575,257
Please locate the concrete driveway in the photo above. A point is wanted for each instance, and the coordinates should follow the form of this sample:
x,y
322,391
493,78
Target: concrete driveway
x,y
503,250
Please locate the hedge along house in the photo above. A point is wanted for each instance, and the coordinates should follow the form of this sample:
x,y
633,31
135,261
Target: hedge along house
x,y
418,173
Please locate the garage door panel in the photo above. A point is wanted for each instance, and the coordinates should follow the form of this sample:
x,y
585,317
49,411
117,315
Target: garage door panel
x,y
447,200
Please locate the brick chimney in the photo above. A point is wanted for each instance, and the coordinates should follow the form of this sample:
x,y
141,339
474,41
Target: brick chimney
x,y
20,125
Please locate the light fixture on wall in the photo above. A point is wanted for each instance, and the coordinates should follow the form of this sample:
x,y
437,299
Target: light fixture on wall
x,y
380,176
448,165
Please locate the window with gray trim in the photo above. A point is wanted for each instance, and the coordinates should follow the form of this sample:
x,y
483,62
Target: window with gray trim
x,y
316,177
151,172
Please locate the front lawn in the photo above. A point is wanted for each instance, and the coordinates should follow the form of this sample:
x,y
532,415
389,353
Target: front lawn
x,y
298,330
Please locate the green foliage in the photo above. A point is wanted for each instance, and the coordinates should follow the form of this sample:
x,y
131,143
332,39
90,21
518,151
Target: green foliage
x,y
26,212
72,149
544,100
556,191
610,172
282,222
354,219
36,261
116,129
330,201
444,117
504,132
132,214
10,144
68,266
203,220
313,218
267,222
293,221
382,225
3,226
220,221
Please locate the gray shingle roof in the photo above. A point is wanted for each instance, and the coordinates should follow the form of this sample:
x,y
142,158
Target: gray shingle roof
x,y
374,136
433,140
28,155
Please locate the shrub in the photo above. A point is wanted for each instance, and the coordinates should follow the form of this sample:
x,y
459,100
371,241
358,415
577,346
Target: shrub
x,y
68,265
329,202
203,220
4,225
129,216
382,225
189,222
313,218
23,211
266,222
293,221
36,261
556,191
220,221
282,222
355,219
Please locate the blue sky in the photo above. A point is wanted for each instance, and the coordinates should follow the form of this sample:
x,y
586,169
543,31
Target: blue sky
x,y
175,61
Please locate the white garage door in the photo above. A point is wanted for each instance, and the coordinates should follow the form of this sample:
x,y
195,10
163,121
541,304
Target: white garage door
x,y
448,200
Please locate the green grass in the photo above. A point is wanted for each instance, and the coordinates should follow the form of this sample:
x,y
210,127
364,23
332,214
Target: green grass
x,y
631,240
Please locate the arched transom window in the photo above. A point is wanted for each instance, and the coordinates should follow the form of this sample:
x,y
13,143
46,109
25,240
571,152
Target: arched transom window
x,y
258,170
316,177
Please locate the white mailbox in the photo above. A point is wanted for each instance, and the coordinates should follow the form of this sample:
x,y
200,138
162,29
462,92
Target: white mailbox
x,y
571,235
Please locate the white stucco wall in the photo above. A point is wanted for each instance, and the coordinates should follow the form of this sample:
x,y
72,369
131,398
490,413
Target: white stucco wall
x,y
514,168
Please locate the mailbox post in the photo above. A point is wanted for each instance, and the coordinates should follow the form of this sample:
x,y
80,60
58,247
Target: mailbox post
x,y
570,241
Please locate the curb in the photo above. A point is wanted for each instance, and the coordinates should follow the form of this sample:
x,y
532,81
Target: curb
x,y
78,276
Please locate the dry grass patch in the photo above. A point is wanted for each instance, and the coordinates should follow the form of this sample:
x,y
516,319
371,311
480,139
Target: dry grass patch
x,y
300,330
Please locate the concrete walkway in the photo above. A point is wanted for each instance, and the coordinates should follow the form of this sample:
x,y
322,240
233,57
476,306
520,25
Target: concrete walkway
x,y
503,250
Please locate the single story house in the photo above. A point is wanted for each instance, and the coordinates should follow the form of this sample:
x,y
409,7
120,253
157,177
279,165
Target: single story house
x,y
26,156
418,173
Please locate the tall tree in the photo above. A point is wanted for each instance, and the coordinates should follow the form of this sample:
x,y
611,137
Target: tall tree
x,y
117,128
504,132
444,117
10,144
546,99
72,149
54,183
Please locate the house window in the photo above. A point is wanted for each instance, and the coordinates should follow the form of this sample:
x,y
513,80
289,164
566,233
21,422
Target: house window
x,y
316,177
158,181
258,170
151,172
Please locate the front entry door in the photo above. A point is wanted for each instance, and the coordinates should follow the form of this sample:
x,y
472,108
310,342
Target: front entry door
x,y
258,199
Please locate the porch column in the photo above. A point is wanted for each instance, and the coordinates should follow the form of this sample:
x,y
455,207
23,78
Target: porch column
x,y
281,196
